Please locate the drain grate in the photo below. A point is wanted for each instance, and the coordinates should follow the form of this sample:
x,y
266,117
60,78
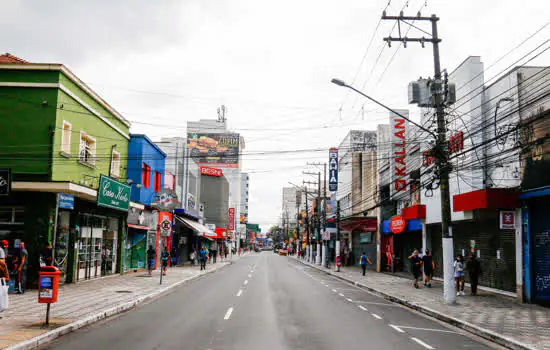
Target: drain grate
x,y
123,291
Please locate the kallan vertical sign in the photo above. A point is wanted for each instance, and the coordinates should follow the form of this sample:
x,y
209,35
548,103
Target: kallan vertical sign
x,y
333,169
399,130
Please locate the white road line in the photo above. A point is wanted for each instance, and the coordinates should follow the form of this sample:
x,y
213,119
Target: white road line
x,y
340,294
363,308
397,328
348,299
245,282
376,316
427,329
375,303
335,291
249,276
422,343
228,313
240,292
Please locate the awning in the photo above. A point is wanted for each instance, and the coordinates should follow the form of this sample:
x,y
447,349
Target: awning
x,y
138,227
489,198
362,225
199,228
417,211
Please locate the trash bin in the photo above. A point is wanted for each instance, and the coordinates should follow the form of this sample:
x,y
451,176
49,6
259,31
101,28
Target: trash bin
x,y
48,284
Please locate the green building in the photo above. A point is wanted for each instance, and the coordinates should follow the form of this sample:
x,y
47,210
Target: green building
x,y
60,140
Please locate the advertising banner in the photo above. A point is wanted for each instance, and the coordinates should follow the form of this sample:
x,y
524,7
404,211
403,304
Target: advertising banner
x,y
400,176
333,169
231,219
214,149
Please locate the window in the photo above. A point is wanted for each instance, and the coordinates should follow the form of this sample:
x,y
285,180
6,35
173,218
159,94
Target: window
x,y
66,138
158,180
115,164
146,175
87,149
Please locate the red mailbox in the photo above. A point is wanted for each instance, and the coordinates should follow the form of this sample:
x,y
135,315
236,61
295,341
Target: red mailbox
x,y
48,284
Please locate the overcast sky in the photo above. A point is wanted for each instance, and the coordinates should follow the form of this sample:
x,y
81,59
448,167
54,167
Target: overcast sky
x,y
162,63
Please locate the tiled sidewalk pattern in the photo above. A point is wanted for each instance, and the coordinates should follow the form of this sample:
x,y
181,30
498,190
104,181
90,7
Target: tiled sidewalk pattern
x,y
528,324
24,318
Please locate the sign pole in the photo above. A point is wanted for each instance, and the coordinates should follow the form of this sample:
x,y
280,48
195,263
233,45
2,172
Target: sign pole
x,y
54,241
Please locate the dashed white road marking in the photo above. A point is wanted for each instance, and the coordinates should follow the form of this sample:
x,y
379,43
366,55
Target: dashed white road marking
x,y
240,292
363,308
427,329
245,282
249,276
421,343
335,291
376,316
340,294
228,313
375,303
396,328
348,299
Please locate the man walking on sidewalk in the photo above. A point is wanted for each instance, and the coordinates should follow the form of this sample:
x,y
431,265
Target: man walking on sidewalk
x,y
416,263
151,256
22,268
429,267
364,260
203,254
474,271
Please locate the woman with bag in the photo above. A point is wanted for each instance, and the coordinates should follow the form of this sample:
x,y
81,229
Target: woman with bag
x,y
4,278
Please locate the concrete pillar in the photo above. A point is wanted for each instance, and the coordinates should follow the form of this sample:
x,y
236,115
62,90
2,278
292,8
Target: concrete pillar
x,y
519,254
318,258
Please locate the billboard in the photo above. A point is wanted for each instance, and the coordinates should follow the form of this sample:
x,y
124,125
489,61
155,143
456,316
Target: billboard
x,y
333,169
214,149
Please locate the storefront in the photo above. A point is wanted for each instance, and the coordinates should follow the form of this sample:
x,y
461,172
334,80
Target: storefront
x,y
197,233
140,226
398,245
361,238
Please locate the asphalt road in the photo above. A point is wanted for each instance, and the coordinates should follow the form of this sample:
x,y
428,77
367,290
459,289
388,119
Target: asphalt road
x,y
265,301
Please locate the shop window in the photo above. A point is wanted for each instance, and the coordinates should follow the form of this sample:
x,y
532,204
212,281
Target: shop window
x,y
115,164
157,181
146,175
87,149
11,215
66,137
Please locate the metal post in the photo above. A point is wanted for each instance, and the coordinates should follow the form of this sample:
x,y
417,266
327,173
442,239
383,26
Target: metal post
x,y
308,247
55,229
318,217
337,248
47,314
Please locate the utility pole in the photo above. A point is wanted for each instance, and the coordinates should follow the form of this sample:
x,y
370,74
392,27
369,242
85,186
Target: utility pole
x,y
322,212
440,150
298,240
316,224
308,247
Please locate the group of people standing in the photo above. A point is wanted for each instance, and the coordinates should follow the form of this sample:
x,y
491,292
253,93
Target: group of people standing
x,y
17,264
427,265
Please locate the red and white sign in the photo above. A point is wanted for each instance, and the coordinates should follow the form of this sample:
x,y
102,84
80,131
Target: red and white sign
x,y
209,171
231,219
507,220
397,224
399,129
165,224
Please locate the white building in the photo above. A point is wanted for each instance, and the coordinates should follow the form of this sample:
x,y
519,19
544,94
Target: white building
x,y
245,187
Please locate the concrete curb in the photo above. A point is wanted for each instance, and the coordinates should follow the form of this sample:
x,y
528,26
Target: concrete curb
x,y
479,331
73,326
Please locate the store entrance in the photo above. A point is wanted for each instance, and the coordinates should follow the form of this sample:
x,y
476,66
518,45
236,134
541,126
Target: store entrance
x,y
97,246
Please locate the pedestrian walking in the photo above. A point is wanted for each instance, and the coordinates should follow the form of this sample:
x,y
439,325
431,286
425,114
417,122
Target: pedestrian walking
x,y
22,263
151,256
459,274
364,260
4,278
165,257
173,257
193,256
474,271
429,267
3,250
203,255
416,263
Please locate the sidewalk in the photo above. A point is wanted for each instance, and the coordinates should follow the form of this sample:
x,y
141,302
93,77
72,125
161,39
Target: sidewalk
x,y
86,302
497,318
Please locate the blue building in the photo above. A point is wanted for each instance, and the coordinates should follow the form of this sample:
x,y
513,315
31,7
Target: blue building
x,y
145,168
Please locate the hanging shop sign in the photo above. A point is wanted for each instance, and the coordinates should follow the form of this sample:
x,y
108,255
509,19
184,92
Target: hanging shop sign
x,y
399,129
166,200
397,224
66,201
113,194
231,219
165,220
507,220
209,171
5,182
333,169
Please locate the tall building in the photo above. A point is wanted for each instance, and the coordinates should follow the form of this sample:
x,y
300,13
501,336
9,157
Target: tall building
x,y
245,185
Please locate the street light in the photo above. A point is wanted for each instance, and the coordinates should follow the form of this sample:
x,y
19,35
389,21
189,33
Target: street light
x,y
342,83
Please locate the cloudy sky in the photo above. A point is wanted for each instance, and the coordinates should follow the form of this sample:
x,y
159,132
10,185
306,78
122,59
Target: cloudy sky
x,y
163,63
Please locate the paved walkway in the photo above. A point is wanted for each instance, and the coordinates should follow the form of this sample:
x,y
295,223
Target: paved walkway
x,y
528,326
24,319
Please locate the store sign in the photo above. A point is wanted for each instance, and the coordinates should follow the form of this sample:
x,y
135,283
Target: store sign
x,y
66,201
397,224
166,200
209,171
333,170
113,194
231,219
399,129
5,182
507,220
